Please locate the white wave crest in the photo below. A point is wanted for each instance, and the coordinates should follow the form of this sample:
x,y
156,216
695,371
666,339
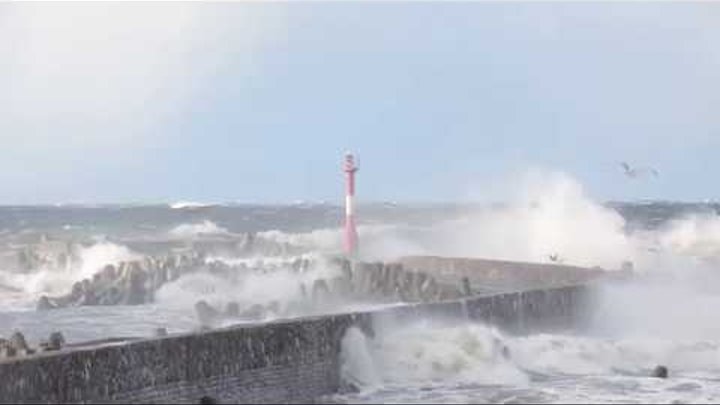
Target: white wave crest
x,y
51,280
188,231
377,242
424,352
181,205
281,285
695,235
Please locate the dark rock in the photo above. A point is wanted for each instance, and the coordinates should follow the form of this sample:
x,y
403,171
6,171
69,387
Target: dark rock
x,y
136,292
660,372
88,298
232,309
207,315
44,304
55,342
77,290
255,312
57,339
320,291
6,349
173,273
207,400
161,277
112,296
63,260
274,307
627,266
505,352
18,342
109,272
339,286
347,387
466,289
346,268
429,290
122,269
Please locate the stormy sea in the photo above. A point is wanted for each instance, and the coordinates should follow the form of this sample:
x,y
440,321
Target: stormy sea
x,y
130,271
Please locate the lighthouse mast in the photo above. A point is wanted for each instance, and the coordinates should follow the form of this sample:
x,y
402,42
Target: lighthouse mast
x,y
351,237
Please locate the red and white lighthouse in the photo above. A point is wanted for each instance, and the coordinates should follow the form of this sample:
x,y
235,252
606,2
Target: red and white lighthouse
x,y
351,237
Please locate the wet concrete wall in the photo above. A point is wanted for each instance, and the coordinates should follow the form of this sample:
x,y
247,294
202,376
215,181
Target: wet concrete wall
x,y
289,361
497,275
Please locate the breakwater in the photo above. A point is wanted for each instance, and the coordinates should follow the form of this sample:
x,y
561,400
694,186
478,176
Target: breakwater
x,y
284,361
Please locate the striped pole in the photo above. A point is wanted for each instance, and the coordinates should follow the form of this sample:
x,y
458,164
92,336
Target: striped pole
x,y
351,238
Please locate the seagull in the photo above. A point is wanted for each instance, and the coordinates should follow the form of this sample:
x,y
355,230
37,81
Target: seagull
x,y
553,257
635,172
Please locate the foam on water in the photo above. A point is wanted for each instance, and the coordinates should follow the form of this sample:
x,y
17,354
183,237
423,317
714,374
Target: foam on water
x,y
550,215
445,363
188,231
281,285
695,235
259,261
180,205
425,353
53,280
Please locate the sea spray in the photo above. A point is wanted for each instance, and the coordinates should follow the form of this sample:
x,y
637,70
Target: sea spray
x,y
378,241
189,231
356,358
261,285
467,357
87,261
428,352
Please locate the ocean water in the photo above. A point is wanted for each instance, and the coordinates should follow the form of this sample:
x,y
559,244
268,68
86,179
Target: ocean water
x,y
631,332
666,317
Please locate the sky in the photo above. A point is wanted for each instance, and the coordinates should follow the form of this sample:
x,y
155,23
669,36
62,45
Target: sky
x,y
257,102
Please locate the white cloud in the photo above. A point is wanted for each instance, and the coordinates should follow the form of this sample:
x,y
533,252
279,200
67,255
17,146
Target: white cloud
x,y
103,73
90,90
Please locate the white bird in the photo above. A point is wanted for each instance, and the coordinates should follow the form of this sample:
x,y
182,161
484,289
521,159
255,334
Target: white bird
x,y
635,172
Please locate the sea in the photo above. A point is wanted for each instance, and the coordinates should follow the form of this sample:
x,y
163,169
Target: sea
x,y
668,316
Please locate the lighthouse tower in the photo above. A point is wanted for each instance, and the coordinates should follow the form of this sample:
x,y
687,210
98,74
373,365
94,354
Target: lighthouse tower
x,y
351,238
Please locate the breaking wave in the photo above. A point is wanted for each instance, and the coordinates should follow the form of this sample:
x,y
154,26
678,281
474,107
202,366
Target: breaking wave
x,y
378,242
470,355
551,219
274,283
424,353
695,235
180,205
188,231
50,279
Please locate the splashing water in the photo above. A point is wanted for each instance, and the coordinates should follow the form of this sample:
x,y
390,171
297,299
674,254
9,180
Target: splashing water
x,y
51,280
188,231
430,362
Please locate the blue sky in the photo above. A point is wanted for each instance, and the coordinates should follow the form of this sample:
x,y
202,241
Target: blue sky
x,y
257,102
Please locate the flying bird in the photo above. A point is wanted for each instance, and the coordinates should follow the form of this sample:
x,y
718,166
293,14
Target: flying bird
x,y
635,172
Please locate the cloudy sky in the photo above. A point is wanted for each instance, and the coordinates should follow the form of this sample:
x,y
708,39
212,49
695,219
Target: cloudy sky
x,y
256,102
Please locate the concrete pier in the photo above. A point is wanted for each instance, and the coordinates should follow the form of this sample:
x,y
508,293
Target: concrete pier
x,y
284,361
